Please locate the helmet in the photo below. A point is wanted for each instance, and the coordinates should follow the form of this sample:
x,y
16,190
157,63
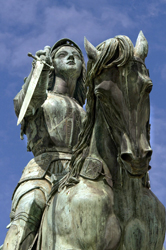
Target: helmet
x,y
65,42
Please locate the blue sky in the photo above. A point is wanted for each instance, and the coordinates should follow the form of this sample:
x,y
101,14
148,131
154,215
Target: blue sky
x,y
27,26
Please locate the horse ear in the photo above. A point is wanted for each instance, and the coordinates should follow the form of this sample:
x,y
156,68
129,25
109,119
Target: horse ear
x,y
141,47
91,51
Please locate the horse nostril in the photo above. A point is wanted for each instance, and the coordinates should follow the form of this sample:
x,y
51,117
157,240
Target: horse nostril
x,y
148,154
126,157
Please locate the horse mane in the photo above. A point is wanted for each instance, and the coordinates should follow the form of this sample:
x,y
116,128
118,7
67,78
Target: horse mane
x,y
114,52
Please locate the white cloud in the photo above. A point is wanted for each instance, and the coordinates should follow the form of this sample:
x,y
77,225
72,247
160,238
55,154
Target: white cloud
x,y
18,12
54,22
156,8
114,17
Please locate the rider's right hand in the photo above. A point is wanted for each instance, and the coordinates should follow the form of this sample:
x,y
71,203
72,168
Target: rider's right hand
x,y
45,55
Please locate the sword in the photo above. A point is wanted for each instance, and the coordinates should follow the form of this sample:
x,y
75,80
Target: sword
x,y
32,85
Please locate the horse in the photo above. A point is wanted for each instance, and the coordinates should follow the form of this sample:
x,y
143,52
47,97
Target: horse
x,y
105,201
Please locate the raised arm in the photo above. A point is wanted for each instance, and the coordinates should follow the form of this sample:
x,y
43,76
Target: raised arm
x,y
40,93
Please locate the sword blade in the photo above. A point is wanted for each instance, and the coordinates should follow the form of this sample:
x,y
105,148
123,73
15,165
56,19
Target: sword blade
x,y
31,88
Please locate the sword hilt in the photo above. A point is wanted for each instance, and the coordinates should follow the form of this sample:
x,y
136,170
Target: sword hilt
x,y
34,57
38,59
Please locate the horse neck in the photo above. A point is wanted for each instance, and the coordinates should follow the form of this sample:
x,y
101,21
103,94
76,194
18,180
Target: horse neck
x,y
103,148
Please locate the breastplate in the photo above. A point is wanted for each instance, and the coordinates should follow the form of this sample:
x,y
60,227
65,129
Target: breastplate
x,y
56,125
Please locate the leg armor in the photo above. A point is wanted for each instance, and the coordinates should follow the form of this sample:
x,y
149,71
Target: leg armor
x,y
27,209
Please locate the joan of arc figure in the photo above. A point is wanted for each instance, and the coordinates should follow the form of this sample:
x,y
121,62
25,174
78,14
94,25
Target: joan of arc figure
x,y
52,124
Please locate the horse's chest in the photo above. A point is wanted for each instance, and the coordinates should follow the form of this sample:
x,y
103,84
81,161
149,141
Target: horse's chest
x,y
82,217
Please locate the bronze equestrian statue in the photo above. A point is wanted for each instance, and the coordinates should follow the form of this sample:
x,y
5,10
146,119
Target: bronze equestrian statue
x,y
103,201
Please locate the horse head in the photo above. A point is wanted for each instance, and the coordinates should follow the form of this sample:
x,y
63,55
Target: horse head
x,y
121,84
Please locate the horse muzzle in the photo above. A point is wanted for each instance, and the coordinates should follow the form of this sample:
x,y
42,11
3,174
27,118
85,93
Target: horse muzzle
x,y
136,162
136,166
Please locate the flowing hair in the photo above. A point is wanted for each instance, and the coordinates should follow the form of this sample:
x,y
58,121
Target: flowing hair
x,y
113,52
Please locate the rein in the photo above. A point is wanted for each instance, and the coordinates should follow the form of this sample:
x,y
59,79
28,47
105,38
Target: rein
x,y
118,149
107,125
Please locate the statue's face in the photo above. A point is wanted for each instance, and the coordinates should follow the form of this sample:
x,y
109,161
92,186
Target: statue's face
x,y
67,62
